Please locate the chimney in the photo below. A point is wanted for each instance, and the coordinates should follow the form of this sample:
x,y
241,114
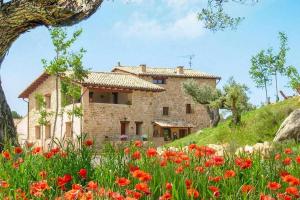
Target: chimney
x,y
143,68
119,64
179,70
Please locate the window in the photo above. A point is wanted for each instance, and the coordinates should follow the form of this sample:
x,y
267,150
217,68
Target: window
x,y
47,131
115,97
68,133
91,96
165,110
159,81
188,108
37,132
48,100
138,128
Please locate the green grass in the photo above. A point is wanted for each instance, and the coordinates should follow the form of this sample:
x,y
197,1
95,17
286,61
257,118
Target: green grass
x,y
257,126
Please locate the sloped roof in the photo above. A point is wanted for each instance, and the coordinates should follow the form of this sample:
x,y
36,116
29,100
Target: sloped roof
x,y
104,80
161,71
173,124
120,80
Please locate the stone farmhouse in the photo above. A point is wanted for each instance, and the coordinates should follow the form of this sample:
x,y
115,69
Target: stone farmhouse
x,y
130,102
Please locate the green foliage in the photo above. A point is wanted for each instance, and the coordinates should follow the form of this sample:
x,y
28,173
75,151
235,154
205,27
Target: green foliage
x,y
233,97
256,126
294,76
267,63
215,18
43,113
16,115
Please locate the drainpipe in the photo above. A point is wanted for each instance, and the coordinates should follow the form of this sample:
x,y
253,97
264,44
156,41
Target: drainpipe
x,y
27,118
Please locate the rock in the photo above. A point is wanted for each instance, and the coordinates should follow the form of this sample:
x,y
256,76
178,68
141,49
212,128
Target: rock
x,y
290,128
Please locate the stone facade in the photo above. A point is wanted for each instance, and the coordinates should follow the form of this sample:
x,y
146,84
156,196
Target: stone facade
x,y
135,114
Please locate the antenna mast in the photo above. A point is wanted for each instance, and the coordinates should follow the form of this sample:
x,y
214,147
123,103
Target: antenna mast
x,y
190,57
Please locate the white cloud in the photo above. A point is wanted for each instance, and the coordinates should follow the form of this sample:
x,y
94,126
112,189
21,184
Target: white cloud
x,y
187,27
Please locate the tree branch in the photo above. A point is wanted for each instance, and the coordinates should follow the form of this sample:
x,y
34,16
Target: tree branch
x,y
17,17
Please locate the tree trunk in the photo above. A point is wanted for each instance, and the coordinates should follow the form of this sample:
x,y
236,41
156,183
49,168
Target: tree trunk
x,y
214,116
276,85
7,128
56,110
17,17
266,91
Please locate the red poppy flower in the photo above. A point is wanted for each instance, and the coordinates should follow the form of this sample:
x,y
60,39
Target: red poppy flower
x,y
277,156
200,169
138,143
188,183
247,188
274,185
126,150
229,174
136,155
298,159
193,193
265,197
122,182
292,191
82,173
6,155
291,180
18,150
166,196
215,179
243,163
92,185
143,187
89,142
288,151
151,152
287,161
169,186
282,196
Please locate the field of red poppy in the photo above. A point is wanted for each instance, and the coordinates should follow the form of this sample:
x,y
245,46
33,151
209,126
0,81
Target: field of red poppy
x,y
135,171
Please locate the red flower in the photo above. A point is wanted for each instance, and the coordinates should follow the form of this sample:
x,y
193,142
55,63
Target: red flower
x,y
277,156
200,169
243,163
247,188
151,152
92,185
88,142
188,183
166,196
215,179
193,193
298,159
287,161
37,188
138,143
215,190
37,150
122,182
282,196
136,155
291,180
265,197
126,150
82,173
274,185
218,160
141,175
6,155
288,151
292,191
169,186
143,187
18,150
229,174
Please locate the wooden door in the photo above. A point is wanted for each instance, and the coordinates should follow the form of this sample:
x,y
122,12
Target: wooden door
x,y
123,128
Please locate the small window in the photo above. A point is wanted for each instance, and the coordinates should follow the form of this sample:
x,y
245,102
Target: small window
x,y
48,100
37,132
165,110
91,96
159,80
115,97
47,131
68,133
138,128
188,108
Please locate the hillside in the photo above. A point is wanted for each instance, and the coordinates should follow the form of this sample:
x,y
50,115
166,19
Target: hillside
x,y
257,126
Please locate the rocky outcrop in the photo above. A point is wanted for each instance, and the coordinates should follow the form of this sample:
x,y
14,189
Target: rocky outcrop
x,y
290,128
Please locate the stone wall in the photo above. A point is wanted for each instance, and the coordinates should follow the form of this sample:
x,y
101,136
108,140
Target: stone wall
x,y
101,119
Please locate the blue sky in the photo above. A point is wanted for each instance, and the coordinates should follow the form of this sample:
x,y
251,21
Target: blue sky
x,y
159,33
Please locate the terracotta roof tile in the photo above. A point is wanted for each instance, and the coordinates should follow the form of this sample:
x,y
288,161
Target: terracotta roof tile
x,y
120,80
160,71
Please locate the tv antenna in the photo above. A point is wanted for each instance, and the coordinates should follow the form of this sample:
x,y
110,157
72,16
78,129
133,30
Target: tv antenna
x,y
190,57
